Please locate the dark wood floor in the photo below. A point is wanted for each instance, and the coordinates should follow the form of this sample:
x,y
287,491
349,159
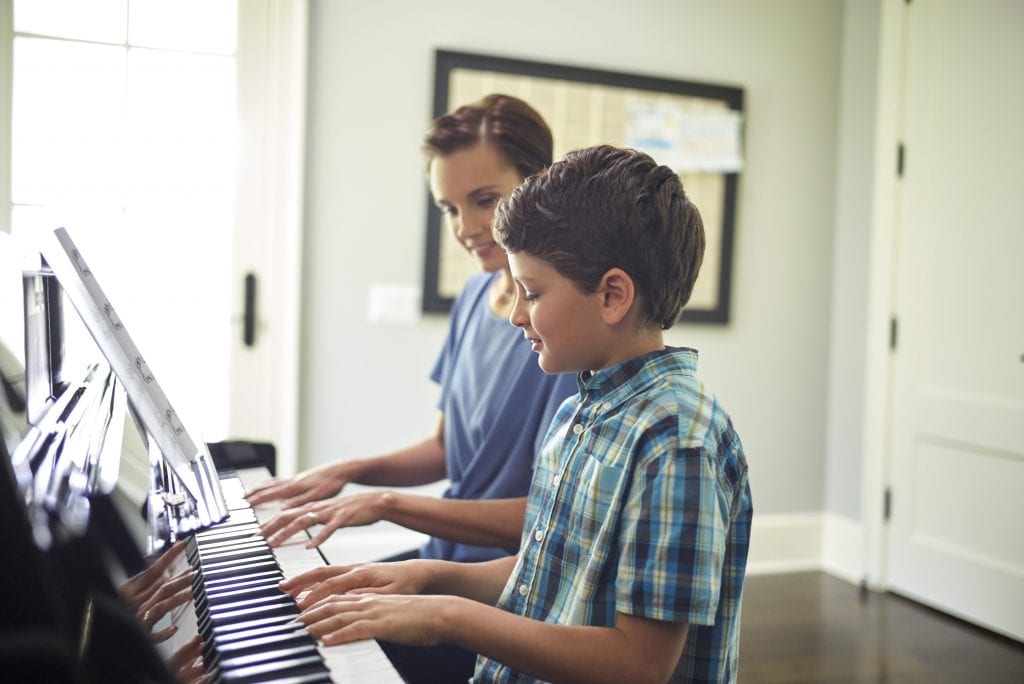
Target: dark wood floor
x,y
811,627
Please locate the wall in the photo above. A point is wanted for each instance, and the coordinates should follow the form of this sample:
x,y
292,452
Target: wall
x,y
851,251
365,387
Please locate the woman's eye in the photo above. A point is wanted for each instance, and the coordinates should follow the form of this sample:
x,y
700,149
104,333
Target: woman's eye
x,y
488,201
446,210
531,296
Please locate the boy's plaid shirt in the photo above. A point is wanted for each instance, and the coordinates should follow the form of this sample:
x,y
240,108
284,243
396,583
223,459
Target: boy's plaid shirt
x,y
639,504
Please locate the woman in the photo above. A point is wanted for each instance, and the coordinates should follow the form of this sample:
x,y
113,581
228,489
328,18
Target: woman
x,y
495,403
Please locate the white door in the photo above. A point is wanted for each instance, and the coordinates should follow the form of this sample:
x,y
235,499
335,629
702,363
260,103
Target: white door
x,y
167,138
956,532
267,244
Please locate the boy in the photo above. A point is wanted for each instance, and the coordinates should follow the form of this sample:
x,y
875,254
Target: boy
x,y
634,547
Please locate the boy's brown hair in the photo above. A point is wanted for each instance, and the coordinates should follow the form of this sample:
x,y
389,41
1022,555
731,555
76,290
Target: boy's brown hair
x,y
604,207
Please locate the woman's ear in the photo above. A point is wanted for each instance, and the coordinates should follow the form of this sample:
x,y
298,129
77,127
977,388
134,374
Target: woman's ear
x,y
617,294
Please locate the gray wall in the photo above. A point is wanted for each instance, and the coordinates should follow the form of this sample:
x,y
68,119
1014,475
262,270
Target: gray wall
x,y
364,386
858,102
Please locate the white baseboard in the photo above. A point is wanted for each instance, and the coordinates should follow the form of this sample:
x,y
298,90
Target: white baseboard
x,y
786,542
779,543
843,548
801,542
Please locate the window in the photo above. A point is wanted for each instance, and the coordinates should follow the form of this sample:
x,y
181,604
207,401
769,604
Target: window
x,y
168,137
124,130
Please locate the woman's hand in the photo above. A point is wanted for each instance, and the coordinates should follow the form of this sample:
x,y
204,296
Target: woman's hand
x,y
139,588
172,593
187,663
353,510
153,593
313,485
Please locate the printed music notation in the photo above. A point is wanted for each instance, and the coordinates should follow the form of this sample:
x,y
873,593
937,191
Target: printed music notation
x,y
150,404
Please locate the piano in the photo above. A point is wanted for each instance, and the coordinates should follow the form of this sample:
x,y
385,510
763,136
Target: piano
x,y
243,618
104,580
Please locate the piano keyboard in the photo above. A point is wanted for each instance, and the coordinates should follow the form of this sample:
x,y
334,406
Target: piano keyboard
x,y
245,621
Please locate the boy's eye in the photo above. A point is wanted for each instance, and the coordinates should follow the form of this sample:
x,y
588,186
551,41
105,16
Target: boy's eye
x,y
530,296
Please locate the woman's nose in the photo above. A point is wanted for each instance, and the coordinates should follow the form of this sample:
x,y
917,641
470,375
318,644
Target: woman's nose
x,y
457,226
471,226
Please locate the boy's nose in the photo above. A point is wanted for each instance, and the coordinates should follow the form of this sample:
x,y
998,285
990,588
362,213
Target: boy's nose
x,y
518,316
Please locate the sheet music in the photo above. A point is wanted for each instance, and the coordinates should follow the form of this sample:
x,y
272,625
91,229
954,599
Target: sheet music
x,y
188,457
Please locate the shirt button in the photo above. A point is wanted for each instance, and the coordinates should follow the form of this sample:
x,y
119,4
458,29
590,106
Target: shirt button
x,y
577,429
606,406
538,535
523,590
558,479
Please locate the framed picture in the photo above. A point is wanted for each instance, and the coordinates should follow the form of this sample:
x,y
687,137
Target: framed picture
x,y
695,128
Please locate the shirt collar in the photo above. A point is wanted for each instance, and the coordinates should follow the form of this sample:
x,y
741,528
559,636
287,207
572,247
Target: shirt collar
x,y
630,375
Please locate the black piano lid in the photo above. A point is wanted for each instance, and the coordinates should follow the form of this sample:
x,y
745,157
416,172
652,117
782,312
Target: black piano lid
x,y
63,618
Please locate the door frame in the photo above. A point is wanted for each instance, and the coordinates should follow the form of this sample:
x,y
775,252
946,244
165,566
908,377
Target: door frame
x,y
269,225
6,86
877,459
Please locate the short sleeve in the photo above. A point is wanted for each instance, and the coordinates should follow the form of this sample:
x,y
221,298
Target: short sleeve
x,y
674,533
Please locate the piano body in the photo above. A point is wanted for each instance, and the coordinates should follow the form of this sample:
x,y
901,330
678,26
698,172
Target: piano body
x,y
128,555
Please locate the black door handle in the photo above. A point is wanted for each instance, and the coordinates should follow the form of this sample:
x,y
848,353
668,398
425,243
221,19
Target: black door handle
x,y
249,323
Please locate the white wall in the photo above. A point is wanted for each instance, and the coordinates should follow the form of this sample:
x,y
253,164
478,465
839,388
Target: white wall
x,y
365,387
856,164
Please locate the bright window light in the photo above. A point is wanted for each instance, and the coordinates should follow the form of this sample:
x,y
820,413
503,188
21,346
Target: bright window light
x,y
68,122
104,21
133,150
188,25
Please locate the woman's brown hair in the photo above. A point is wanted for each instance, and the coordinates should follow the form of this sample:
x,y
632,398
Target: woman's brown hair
x,y
513,127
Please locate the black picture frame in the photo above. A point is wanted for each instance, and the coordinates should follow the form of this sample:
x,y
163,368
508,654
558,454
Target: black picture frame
x,y
448,62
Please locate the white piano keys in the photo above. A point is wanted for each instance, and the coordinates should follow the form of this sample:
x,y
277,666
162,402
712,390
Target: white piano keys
x,y
361,662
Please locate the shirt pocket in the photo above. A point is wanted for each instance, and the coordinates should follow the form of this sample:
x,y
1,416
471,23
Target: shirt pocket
x,y
598,488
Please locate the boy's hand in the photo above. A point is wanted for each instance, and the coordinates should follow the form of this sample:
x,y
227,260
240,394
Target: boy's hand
x,y
412,620
407,577
354,510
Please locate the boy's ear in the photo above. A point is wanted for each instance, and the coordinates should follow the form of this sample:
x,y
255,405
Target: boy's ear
x,y
617,294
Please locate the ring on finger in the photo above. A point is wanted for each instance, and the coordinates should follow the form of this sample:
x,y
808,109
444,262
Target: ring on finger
x,y
313,517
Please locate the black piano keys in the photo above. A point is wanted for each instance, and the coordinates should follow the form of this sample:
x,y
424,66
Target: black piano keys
x,y
245,621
